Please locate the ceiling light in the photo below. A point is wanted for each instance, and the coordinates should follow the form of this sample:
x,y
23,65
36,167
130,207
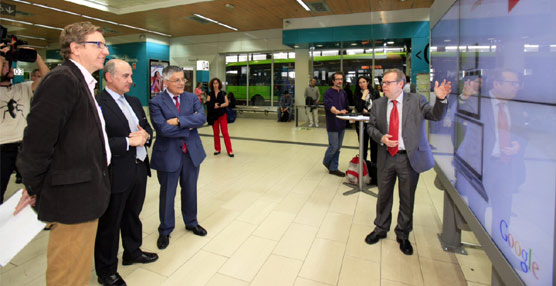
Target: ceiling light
x,y
31,24
48,27
16,21
303,5
216,22
353,44
390,43
91,4
230,6
319,46
31,37
88,3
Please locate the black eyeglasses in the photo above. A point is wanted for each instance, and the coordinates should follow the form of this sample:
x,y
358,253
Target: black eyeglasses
x,y
512,82
389,82
99,45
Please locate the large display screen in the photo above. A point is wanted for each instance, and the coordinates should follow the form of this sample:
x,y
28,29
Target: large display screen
x,y
496,144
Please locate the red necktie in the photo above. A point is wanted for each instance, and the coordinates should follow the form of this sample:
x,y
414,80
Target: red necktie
x,y
393,128
503,131
184,147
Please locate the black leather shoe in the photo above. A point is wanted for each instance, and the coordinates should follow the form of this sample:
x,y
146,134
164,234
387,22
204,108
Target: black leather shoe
x,y
163,241
197,230
374,237
145,257
337,173
112,280
18,180
231,155
216,153
405,246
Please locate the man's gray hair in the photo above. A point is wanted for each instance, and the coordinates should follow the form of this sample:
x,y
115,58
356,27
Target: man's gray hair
x,y
168,71
399,73
110,66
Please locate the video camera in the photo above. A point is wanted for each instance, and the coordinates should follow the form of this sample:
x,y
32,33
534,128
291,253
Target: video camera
x,y
15,54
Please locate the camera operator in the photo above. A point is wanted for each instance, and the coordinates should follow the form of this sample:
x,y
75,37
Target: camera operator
x,y
15,100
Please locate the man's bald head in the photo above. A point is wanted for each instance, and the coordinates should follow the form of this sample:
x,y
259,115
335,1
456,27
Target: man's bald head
x,y
118,76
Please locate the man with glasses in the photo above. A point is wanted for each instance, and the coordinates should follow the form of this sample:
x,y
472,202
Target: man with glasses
x,y
177,152
65,156
397,123
335,103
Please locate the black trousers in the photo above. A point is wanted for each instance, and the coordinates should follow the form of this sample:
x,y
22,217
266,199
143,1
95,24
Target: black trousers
x,y
366,140
398,167
8,155
122,215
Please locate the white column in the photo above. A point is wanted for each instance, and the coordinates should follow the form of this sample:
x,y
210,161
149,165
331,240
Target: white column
x,y
302,76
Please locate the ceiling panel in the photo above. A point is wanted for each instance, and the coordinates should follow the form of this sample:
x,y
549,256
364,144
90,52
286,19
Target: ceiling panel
x,y
247,15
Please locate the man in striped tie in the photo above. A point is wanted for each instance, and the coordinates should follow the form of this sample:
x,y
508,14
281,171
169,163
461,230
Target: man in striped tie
x,y
177,152
129,135
397,123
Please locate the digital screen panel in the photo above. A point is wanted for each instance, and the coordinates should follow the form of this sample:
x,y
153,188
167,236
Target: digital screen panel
x,y
496,142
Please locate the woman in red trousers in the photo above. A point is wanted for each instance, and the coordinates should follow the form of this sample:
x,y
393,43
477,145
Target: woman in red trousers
x,y
217,102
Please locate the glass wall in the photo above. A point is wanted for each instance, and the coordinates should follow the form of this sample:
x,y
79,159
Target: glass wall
x,y
271,74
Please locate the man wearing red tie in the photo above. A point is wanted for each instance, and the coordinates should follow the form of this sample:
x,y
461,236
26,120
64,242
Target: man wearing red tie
x,y
397,123
177,152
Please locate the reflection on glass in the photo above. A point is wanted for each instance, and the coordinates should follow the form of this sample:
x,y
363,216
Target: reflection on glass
x,y
493,144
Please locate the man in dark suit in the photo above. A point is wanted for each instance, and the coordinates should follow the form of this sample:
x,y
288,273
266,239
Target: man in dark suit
x,y
397,123
506,125
128,135
177,152
65,156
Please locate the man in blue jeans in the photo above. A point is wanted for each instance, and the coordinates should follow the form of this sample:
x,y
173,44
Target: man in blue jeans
x,y
335,103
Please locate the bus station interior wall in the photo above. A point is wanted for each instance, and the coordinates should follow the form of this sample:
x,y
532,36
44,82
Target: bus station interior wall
x,y
138,56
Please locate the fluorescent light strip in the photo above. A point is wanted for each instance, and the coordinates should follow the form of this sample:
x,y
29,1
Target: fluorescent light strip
x,y
216,22
31,37
303,5
16,21
100,20
92,18
24,2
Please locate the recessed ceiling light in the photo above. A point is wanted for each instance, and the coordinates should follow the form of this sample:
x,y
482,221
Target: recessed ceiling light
x,y
230,6
303,5
296,46
390,43
319,45
353,44
447,41
84,16
216,22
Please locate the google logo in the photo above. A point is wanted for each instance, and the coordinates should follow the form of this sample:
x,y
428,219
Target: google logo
x,y
519,251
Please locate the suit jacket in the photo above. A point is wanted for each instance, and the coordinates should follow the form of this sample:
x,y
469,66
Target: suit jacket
x,y
415,110
122,165
514,170
167,149
63,157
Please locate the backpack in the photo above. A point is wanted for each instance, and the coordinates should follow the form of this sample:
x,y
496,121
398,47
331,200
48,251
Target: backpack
x,y
352,174
232,114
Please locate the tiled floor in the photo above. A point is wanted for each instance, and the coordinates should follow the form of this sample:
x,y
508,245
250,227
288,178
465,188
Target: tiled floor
x,y
275,217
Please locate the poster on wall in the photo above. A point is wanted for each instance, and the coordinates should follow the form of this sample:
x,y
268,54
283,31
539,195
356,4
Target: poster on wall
x,y
156,85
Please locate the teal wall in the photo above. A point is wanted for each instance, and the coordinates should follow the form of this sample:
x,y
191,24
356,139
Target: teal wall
x,y
418,32
139,54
